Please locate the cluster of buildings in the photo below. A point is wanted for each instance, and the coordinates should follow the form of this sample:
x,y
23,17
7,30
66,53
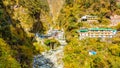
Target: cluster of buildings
x,y
86,32
88,18
98,32
53,33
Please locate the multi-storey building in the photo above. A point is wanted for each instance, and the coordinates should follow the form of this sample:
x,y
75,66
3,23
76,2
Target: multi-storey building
x,y
88,18
53,33
97,32
115,20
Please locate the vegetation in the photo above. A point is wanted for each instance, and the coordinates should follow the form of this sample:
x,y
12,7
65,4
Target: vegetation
x,y
40,48
20,20
6,59
17,27
52,43
73,10
77,54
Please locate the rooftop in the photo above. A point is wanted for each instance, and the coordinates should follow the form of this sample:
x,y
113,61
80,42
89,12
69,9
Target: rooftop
x,y
100,29
97,29
84,30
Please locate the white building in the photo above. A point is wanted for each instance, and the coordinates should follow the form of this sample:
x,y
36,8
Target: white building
x,y
115,20
88,18
97,32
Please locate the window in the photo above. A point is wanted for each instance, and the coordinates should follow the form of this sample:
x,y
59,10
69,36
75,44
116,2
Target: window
x,y
110,36
104,36
109,33
94,36
97,33
99,36
91,33
102,33
86,34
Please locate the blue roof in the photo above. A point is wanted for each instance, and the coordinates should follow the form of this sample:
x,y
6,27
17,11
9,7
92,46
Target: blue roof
x,y
93,52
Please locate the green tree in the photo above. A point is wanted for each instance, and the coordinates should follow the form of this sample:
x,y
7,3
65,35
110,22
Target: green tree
x,y
52,43
6,59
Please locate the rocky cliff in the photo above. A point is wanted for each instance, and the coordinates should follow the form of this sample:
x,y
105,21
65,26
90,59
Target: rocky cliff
x,y
55,7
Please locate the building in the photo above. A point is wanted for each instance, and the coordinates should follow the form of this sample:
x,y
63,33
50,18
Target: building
x,y
115,20
92,52
97,32
53,33
57,34
88,18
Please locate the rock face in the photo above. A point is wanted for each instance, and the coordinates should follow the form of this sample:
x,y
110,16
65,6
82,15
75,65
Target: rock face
x,y
41,62
51,59
55,7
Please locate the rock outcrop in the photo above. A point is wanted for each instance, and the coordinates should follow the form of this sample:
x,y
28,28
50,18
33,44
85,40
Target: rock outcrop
x,y
51,59
55,7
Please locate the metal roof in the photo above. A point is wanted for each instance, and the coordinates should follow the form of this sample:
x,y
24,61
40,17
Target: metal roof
x,y
101,29
97,29
84,30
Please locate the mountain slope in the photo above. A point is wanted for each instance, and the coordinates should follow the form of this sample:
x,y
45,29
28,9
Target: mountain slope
x,y
17,27
55,7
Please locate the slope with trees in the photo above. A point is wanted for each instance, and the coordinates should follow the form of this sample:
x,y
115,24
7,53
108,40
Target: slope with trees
x,y
19,20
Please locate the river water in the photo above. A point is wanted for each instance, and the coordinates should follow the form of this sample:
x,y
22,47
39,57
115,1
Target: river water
x,y
50,59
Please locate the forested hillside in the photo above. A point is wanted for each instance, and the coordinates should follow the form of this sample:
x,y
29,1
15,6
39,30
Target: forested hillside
x,y
55,7
29,28
19,21
73,10
77,52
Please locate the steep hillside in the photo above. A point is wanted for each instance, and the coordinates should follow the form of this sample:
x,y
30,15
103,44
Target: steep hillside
x,y
24,24
55,7
77,52
75,9
19,22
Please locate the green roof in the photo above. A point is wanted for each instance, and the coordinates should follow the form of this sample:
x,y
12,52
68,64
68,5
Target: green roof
x,y
101,29
97,29
84,30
